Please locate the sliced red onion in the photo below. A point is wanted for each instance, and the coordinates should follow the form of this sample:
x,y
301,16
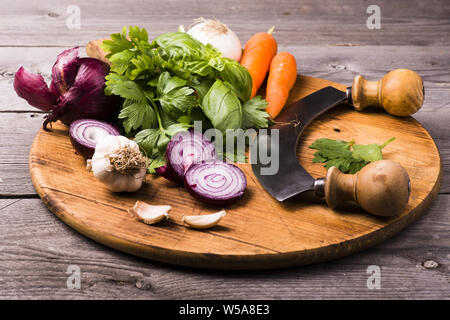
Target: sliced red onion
x,y
215,182
165,172
85,133
186,148
32,87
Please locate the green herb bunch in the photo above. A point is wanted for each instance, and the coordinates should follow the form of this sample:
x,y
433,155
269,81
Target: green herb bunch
x,y
348,157
169,83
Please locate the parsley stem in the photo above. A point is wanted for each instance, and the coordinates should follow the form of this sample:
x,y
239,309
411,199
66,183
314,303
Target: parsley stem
x,y
159,119
387,142
155,108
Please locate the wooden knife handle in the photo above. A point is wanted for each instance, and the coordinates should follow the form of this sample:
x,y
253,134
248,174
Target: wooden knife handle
x,y
381,188
400,92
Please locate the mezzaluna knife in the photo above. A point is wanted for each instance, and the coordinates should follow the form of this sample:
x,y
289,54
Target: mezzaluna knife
x,y
382,187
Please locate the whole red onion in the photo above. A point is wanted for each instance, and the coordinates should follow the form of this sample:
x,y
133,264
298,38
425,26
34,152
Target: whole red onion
x,y
76,91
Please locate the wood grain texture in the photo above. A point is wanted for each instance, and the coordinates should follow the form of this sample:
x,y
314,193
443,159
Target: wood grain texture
x,y
295,232
304,22
36,249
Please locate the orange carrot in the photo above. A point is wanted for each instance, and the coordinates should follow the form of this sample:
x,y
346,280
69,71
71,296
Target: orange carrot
x,y
282,77
258,52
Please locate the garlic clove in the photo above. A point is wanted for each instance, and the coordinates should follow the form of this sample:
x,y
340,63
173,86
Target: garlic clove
x,y
204,221
89,165
149,214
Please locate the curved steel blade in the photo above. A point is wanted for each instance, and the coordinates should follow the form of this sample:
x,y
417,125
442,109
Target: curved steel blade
x,y
291,179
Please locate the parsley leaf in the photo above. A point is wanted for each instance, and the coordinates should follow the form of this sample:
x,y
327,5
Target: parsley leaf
x,y
370,152
254,113
120,61
147,139
346,156
137,114
123,87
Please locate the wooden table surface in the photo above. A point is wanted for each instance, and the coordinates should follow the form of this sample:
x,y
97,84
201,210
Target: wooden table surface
x,y
330,39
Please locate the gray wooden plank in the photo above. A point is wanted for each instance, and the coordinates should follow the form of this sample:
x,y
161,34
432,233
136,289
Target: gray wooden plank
x,y
403,22
17,131
36,249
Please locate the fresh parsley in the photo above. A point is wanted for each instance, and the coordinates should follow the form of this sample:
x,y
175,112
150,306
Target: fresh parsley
x,y
348,157
168,83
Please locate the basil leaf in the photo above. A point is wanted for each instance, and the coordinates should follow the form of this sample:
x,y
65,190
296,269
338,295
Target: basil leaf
x,y
166,83
202,87
179,43
222,107
238,79
176,128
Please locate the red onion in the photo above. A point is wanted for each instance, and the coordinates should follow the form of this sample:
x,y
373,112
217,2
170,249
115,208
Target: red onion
x,y
33,88
167,173
85,133
186,148
76,91
215,182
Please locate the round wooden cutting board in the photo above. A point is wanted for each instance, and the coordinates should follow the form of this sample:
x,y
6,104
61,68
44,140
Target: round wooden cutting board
x,y
257,232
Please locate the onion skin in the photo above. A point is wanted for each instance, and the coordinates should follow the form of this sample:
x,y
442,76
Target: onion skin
x,y
178,161
64,70
34,90
218,35
85,148
194,182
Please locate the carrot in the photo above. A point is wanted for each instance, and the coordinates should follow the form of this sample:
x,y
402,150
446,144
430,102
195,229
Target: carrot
x,y
282,77
258,52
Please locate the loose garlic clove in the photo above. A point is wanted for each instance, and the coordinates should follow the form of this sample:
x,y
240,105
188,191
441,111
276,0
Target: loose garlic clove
x,y
149,214
89,165
204,221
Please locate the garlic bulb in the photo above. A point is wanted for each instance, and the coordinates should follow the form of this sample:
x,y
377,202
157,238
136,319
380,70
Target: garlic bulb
x,y
119,164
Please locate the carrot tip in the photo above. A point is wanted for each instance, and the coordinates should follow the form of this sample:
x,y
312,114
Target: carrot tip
x,y
271,30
